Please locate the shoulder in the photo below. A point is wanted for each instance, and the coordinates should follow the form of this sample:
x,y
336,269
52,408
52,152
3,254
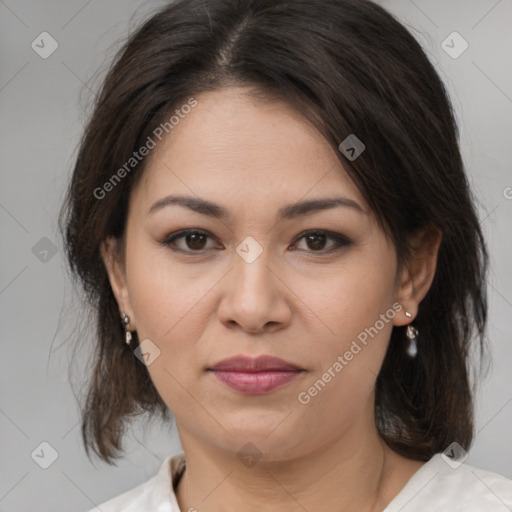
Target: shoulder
x,y
443,484
154,494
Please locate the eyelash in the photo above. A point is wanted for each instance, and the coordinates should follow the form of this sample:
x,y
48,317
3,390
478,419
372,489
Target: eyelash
x,y
341,241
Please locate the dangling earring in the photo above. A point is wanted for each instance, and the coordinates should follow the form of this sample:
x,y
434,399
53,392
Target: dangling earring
x,y
411,333
127,334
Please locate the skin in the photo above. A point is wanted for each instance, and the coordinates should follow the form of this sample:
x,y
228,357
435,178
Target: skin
x,y
252,158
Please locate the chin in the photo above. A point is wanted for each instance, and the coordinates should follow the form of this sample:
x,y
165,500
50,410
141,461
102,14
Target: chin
x,y
265,442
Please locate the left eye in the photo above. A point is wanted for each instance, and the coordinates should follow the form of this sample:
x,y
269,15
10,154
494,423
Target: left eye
x,y
316,240
196,241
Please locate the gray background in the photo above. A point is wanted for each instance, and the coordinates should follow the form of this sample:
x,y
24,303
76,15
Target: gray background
x,y
42,107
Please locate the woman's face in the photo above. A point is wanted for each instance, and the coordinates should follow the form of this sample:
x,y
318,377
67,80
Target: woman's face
x,y
253,283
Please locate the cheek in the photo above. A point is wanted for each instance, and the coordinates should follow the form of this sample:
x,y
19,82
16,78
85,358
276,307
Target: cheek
x,y
357,309
352,297
172,306
164,296
167,306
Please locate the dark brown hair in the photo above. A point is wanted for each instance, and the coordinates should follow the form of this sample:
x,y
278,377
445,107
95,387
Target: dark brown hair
x,y
351,68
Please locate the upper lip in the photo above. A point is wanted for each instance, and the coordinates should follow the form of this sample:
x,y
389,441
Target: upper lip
x,y
254,364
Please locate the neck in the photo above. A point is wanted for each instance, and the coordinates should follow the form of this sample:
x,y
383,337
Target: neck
x,y
356,473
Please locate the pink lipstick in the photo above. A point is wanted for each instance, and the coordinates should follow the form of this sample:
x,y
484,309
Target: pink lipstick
x,y
255,375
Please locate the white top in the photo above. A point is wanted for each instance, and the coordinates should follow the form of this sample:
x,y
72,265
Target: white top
x,y
435,487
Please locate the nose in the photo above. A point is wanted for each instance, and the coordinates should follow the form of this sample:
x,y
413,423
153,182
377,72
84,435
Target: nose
x,y
254,296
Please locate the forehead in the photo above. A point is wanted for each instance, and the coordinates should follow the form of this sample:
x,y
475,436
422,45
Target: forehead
x,y
232,147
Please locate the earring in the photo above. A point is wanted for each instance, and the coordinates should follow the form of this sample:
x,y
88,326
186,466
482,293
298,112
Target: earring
x,y
411,334
128,334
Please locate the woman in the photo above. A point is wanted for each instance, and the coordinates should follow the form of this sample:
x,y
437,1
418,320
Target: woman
x,y
270,215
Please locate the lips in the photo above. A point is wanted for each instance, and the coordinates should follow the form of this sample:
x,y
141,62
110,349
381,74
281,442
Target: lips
x,y
258,364
255,375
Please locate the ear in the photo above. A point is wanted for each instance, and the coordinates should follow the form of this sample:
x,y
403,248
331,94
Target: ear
x,y
417,274
111,255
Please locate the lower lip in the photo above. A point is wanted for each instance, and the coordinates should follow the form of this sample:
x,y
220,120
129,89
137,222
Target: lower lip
x,y
256,382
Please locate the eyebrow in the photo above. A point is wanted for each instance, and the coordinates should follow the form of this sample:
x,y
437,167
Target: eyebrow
x,y
290,211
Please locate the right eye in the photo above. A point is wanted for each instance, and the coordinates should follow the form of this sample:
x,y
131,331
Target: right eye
x,y
192,241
